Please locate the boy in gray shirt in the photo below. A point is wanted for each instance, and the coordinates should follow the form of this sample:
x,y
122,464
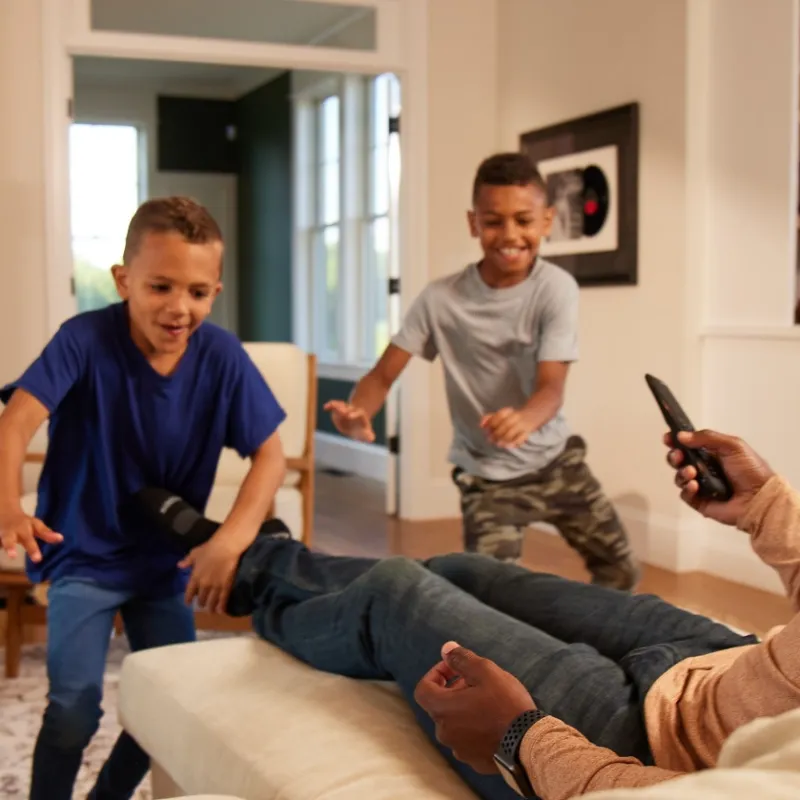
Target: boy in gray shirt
x,y
505,330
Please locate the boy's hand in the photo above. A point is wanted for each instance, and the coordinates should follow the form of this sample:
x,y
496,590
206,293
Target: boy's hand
x,y
20,529
351,420
508,427
213,567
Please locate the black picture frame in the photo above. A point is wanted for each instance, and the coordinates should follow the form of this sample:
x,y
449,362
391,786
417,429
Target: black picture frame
x,y
617,126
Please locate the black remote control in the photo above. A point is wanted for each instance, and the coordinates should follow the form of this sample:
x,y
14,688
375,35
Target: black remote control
x,y
711,479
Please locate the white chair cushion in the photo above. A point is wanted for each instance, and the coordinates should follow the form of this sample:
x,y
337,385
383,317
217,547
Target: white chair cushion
x,y
285,368
232,470
288,506
239,716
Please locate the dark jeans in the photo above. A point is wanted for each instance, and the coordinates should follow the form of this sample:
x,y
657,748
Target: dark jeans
x,y
586,653
80,617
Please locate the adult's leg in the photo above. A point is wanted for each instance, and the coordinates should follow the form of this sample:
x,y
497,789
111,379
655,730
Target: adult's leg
x,y
392,619
149,622
80,615
642,633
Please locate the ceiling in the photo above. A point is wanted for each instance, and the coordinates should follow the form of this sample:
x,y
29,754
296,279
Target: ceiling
x,y
273,21
212,80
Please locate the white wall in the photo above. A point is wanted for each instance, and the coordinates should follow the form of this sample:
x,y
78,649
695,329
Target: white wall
x,y
716,80
23,318
750,349
563,60
462,106
135,102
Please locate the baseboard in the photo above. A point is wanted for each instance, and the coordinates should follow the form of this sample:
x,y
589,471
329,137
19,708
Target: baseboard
x,y
337,452
727,553
690,543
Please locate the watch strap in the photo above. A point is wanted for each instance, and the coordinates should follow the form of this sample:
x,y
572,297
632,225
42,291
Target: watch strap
x,y
510,744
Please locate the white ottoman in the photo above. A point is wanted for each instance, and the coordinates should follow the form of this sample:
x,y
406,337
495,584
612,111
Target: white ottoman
x,y
238,716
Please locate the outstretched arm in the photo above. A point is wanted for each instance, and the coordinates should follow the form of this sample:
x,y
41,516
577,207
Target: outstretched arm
x,y
354,417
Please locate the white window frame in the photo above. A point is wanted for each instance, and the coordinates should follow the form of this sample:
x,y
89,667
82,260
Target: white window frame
x,y
353,90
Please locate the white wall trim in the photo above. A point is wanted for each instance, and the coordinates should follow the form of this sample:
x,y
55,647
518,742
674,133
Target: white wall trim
x,y
342,372
414,473
777,332
365,460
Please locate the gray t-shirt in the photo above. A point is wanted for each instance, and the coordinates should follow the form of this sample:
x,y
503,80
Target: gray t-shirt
x,y
490,342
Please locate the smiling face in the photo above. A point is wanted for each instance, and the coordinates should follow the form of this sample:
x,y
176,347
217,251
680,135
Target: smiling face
x,y
169,285
510,222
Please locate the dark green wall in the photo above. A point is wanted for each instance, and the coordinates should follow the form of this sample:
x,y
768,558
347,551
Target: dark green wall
x,y
265,202
330,389
264,123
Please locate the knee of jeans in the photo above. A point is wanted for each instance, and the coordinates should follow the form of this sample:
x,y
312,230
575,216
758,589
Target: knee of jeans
x,y
395,574
71,725
460,568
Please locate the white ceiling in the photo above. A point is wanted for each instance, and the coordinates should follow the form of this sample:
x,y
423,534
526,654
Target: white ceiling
x,y
211,80
274,21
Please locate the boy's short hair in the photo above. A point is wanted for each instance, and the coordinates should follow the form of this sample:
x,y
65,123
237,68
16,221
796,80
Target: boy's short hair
x,y
507,169
170,215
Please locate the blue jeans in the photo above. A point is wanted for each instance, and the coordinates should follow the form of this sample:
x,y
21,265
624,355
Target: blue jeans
x,y
587,654
80,618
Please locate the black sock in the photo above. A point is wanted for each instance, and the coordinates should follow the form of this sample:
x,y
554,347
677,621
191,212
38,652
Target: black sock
x,y
183,524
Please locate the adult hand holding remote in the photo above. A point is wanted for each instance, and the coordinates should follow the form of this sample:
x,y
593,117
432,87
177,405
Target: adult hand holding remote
x,y
745,469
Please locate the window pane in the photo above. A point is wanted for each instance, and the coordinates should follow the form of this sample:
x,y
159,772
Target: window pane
x,y
329,124
375,289
379,191
104,194
329,199
326,290
104,179
379,117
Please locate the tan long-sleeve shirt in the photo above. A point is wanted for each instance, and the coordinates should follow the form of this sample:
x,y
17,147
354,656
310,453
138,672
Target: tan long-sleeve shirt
x,y
698,703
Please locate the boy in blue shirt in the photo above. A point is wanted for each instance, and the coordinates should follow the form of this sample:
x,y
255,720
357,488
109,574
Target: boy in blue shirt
x,y
506,331
141,393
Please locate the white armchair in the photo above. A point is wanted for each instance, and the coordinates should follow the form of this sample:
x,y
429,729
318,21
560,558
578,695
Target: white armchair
x,y
292,375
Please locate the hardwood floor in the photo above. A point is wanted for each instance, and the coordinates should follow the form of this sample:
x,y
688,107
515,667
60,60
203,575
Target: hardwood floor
x,y
350,520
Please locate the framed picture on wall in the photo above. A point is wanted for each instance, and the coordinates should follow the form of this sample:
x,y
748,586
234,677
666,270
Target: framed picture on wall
x,y
591,167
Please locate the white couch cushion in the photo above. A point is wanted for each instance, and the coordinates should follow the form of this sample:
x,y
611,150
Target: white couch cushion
x,y
240,716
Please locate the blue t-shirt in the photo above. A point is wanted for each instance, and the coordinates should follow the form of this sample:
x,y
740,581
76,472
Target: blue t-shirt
x,y
116,425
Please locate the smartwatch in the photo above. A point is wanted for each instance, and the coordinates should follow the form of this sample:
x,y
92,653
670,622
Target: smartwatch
x,y
506,758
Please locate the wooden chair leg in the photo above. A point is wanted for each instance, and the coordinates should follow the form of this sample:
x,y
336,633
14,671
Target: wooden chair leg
x,y
119,628
14,602
307,490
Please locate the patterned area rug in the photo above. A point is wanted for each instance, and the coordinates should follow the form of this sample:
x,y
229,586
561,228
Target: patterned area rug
x,y
23,701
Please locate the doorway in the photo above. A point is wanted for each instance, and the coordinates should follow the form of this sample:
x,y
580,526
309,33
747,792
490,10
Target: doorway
x,y
301,171
356,37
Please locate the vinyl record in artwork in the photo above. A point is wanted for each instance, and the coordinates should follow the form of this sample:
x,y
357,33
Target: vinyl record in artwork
x,y
581,189
594,200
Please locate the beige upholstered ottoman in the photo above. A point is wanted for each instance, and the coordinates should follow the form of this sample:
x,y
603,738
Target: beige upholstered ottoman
x,y
238,716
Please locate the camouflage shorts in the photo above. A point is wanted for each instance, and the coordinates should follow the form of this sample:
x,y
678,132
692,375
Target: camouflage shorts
x,y
564,494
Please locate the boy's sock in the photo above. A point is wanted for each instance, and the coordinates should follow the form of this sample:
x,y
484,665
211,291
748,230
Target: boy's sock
x,y
184,525
171,514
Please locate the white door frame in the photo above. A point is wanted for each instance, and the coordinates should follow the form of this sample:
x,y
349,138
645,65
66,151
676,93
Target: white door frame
x,y
402,42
